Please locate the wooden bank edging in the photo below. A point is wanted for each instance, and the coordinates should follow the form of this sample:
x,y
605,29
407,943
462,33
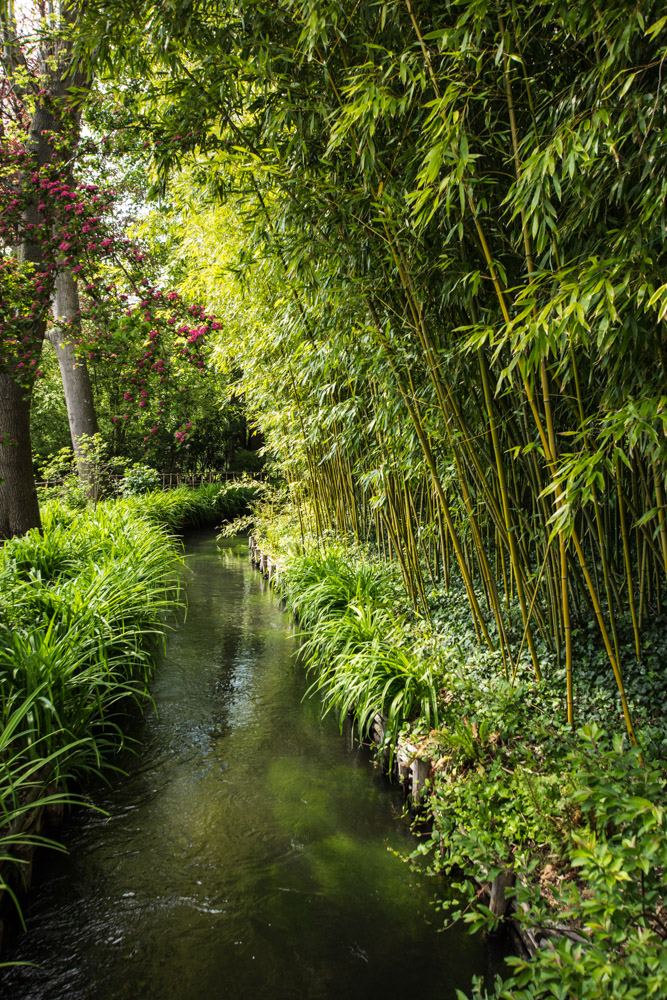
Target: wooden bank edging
x,y
416,776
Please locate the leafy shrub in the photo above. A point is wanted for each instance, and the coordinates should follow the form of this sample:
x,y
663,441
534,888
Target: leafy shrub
x,y
138,479
605,921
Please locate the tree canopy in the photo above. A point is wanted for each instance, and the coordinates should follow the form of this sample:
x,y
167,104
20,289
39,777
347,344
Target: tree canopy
x,y
433,235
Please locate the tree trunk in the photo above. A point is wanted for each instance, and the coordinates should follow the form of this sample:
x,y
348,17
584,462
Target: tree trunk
x,y
19,509
76,381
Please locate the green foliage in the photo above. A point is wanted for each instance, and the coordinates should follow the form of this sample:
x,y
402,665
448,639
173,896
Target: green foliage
x,y
92,473
356,644
83,608
49,429
137,479
611,906
61,479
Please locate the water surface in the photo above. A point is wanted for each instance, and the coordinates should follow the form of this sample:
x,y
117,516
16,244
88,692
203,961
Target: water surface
x,y
251,853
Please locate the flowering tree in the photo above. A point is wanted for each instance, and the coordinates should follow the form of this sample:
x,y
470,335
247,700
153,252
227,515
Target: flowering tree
x,y
157,347
59,242
42,222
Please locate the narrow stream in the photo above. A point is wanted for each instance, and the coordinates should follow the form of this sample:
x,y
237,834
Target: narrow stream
x,y
249,852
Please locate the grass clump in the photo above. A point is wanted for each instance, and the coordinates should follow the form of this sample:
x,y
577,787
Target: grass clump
x,y
83,608
204,506
357,643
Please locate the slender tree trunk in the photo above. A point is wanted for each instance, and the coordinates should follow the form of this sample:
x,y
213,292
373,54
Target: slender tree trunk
x,y
76,381
19,509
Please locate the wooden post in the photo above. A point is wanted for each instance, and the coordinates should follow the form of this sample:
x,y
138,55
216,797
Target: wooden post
x,y
421,770
497,897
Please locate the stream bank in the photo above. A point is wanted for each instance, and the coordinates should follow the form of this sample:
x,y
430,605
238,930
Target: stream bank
x,y
560,830
251,851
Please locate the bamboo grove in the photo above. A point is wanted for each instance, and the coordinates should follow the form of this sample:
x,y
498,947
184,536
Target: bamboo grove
x,y
456,211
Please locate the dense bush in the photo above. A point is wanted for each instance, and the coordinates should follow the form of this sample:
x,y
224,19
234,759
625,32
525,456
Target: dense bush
x,y
138,479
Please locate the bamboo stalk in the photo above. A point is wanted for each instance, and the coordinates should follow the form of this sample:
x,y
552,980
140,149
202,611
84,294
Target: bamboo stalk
x,y
514,556
626,558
